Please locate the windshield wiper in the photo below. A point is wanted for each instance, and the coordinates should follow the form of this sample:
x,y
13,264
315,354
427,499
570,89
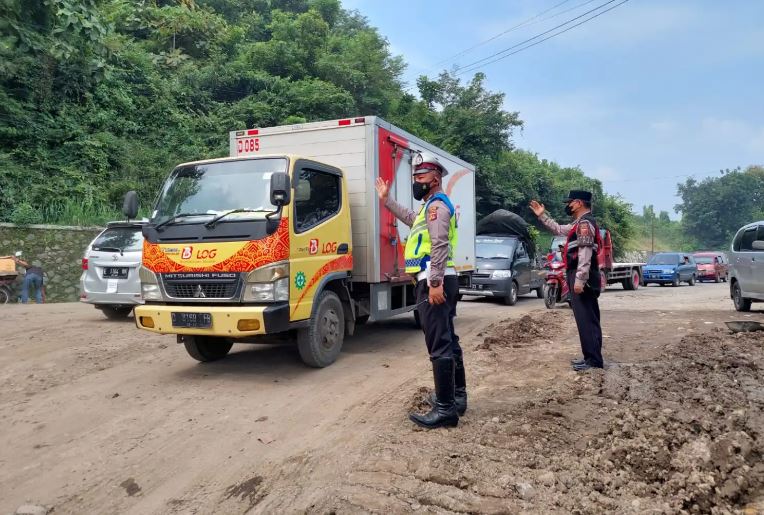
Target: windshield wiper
x,y
173,218
212,223
109,249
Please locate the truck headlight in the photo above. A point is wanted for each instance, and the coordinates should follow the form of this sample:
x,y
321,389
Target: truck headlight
x,y
268,284
149,284
501,274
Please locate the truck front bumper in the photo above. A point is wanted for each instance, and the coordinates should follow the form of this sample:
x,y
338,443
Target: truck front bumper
x,y
227,321
488,287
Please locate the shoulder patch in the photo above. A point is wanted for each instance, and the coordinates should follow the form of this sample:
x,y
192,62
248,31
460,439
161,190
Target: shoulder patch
x,y
432,213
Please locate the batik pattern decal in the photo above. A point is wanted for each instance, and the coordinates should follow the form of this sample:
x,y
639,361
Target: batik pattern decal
x,y
342,263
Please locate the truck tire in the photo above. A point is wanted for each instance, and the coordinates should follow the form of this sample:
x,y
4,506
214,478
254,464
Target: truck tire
x,y
206,348
115,312
511,298
321,342
741,303
632,283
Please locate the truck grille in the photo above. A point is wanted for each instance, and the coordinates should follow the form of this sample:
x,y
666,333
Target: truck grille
x,y
208,286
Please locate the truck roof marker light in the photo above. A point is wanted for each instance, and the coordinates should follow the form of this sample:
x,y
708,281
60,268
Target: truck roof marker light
x,y
360,120
344,122
253,132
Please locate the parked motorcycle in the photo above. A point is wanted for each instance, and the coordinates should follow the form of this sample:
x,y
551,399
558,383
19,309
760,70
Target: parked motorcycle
x,y
556,285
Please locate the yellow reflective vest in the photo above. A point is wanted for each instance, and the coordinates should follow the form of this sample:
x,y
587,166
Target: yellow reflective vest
x,y
418,246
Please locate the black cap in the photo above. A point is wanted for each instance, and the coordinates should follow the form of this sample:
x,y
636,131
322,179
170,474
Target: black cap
x,y
586,196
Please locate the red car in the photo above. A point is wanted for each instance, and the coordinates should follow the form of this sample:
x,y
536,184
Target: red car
x,y
712,266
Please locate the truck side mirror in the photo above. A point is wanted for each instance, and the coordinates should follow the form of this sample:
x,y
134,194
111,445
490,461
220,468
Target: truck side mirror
x,y
281,189
130,205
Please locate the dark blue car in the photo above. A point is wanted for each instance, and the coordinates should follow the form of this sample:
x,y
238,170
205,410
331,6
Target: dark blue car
x,y
670,268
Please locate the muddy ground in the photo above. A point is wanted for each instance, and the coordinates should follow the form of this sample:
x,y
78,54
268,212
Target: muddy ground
x,y
100,418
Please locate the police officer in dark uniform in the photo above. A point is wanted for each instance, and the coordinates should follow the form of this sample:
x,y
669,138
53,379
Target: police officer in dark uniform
x,y
583,273
429,259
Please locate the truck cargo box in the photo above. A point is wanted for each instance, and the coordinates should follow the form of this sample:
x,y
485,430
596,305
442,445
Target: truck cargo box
x,y
364,149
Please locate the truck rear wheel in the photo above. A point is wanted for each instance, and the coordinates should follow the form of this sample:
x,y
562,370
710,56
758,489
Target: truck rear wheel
x,y
206,348
321,342
632,283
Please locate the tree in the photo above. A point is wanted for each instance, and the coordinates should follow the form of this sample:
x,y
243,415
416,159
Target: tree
x,y
714,208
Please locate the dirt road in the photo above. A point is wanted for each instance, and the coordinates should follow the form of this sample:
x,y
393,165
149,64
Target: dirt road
x,y
101,418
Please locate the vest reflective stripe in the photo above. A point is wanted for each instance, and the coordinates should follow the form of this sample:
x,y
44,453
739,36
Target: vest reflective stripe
x,y
418,245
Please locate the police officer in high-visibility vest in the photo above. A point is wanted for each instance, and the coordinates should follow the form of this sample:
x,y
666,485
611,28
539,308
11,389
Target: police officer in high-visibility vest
x,y
429,259
583,272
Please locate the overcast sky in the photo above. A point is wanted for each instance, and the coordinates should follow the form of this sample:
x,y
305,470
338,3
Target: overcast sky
x,y
639,97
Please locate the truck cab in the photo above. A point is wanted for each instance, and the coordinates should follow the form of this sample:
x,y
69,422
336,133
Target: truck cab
x,y
229,255
505,269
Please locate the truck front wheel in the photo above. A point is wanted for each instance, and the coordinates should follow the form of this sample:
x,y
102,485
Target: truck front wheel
x,y
206,348
321,342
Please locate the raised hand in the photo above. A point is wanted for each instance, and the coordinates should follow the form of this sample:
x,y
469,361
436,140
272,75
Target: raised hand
x,y
383,188
537,208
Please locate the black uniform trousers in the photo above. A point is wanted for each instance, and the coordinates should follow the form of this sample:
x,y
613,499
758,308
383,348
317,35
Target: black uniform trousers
x,y
438,319
586,310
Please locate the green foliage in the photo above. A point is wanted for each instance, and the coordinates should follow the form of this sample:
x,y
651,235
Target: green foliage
x,y
713,209
98,97
24,214
660,233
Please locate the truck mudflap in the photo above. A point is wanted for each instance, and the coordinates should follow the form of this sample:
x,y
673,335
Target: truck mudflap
x,y
224,321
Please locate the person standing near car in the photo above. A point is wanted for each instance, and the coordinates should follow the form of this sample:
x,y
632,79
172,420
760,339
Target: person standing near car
x,y
582,269
428,255
32,279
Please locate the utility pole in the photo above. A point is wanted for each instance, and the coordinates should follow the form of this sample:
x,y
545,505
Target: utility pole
x,y
652,233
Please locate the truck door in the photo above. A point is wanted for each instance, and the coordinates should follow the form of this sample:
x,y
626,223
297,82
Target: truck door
x,y
319,233
522,269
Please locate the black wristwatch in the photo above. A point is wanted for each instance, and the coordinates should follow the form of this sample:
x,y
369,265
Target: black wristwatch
x,y
435,283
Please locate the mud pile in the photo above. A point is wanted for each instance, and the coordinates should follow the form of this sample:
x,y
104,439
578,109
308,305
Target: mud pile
x,y
522,332
678,434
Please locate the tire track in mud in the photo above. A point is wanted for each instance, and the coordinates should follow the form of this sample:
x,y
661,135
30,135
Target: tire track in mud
x,y
680,431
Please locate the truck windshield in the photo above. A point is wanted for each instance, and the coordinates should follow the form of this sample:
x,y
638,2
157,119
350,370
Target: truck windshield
x,y
495,248
213,188
664,259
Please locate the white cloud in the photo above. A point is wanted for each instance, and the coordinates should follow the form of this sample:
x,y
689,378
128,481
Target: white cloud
x,y
605,173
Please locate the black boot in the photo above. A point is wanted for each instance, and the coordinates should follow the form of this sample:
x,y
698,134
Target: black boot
x,y
460,388
443,414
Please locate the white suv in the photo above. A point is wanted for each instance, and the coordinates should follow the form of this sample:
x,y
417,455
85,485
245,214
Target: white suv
x,y
747,266
110,269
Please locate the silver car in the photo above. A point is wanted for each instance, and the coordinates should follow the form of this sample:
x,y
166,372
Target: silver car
x,y
110,269
747,266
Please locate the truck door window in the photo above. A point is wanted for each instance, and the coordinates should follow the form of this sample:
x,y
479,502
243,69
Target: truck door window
x,y
317,198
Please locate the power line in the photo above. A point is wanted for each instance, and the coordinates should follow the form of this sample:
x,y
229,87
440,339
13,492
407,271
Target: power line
x,y
514,27
504,53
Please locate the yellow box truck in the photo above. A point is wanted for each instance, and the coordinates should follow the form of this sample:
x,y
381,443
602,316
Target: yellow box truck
x,y
287,234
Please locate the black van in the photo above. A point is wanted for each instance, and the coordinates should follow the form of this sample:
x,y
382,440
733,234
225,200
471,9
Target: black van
x,y
504,269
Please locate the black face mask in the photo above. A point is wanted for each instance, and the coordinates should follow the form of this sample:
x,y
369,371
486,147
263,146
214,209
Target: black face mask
x,y
420,189
568,210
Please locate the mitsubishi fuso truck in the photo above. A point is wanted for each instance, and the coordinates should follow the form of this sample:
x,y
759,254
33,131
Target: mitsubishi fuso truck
x,y
287,236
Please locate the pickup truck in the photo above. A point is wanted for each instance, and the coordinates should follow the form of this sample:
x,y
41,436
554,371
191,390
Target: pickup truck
x,y
629,275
